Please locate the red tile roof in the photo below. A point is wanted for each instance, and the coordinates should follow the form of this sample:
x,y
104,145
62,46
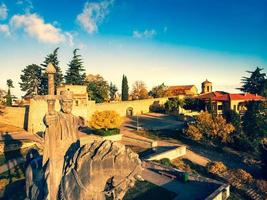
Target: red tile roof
x,y
223,96
181,87
245,96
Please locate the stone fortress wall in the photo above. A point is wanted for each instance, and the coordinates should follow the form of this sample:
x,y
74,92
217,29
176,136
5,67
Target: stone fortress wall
x,y
32,119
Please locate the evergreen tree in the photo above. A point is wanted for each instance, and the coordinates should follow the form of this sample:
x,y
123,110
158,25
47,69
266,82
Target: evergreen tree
x,y
124,89
31,79
112,91
51,58
254,120
256,83
74,74
9,83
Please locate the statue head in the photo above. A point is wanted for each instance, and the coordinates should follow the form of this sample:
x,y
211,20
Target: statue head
x,y
66,101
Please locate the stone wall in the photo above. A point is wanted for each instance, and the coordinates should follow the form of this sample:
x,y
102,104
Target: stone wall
x,y
16,116
170,154
138,106
38,109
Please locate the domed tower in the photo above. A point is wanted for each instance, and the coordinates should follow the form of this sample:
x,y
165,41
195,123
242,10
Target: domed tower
x,y
206,87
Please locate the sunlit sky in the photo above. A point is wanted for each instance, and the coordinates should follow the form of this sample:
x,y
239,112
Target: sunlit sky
x,y
172,41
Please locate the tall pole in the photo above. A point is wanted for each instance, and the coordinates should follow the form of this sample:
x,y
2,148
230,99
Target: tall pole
x,y
52,177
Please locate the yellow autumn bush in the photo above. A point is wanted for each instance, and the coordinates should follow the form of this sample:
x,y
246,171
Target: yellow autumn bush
x,y
243,176
105,120
193,132
216,167
211,127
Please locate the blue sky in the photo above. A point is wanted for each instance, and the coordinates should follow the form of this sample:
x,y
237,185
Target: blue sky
x,y
171,41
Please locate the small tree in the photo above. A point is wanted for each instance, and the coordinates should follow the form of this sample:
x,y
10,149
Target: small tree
x,y
124,89
256,83
213,128
31,79
158,91
51,58
139,91
194,104
75,74
173,104
105,120
9,83
112,91
98,89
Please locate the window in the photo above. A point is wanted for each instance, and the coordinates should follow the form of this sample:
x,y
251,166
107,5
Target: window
x,y
76,102
220,107
234,107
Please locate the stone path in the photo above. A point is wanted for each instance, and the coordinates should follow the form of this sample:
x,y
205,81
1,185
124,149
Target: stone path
x,y
17,133
190,155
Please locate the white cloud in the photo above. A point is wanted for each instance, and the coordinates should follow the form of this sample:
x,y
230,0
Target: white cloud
x,y
69,38
35,26
4,28
146,34
3,12
93,14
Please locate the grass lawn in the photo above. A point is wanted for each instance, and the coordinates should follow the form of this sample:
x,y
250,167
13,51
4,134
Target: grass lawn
x,y
145,190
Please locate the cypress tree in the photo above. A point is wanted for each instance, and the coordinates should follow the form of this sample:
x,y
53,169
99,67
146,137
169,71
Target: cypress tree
x,y
51,58
9,97
124,89
74,74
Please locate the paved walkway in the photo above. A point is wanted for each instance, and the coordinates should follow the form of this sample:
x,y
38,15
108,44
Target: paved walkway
x,y
17,133
190,155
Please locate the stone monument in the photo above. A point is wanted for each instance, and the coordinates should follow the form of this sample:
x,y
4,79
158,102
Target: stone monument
x,y
94,171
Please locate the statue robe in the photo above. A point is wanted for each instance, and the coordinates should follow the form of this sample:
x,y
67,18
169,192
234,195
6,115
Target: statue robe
x,y
58,139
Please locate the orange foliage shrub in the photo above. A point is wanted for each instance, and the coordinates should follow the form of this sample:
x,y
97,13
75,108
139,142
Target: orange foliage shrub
x,y
243,176
193,132
105,120
210,127
216,167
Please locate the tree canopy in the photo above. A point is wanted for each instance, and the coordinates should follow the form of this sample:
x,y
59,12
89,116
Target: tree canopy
x,y
112,91
31,80
139,90
158,91
256,83
51,58
97,89
75,74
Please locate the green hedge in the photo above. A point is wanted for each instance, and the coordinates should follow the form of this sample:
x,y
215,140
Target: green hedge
x,y
107,132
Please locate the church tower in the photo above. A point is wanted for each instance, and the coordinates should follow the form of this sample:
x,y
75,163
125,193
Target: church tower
x,y
206,87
